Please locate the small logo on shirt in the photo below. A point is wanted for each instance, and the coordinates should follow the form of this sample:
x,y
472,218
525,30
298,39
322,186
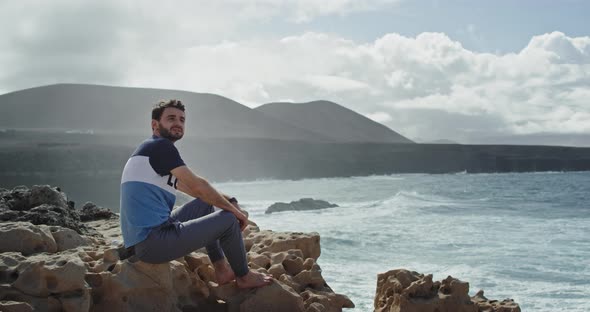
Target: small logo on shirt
x,y
173,184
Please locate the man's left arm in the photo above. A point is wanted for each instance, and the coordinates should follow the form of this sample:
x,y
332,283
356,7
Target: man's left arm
x,y
231,199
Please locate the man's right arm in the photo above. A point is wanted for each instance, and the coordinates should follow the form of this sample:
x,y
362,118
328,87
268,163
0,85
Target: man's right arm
x,y
196,186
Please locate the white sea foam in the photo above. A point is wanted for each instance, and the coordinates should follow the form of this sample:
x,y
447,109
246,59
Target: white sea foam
x,y
523,236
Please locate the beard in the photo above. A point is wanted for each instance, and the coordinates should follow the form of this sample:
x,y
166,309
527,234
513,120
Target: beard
x,y
166,133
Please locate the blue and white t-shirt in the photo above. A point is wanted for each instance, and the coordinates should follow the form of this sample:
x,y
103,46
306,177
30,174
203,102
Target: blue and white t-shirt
x,y
148,189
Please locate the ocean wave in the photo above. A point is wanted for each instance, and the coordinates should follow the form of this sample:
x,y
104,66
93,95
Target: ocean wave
x,y
417,198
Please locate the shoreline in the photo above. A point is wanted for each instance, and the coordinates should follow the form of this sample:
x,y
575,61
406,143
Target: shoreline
x,y
94,275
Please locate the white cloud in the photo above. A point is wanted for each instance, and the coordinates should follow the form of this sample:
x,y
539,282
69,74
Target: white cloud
x,y
335,84
398,77
306,10
381,117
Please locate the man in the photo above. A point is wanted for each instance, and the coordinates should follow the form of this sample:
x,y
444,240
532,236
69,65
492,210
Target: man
x,y
159,234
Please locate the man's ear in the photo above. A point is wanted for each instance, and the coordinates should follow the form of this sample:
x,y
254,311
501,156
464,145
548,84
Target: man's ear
x,y
154,124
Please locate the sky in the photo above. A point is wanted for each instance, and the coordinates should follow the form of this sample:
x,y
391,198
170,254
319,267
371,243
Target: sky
x,y
466,71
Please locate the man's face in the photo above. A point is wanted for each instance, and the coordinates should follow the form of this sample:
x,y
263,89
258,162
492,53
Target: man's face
x,y
170,125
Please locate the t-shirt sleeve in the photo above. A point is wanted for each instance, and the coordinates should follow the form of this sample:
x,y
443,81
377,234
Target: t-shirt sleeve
x,y
165,157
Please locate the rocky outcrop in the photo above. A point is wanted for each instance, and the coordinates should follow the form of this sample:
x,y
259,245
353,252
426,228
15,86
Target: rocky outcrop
x,y
299,205
92,277
92,212
54,268
406,291
41,204
27,238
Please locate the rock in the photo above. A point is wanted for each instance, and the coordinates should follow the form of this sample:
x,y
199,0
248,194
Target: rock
x,y
293,264
43,274
93,277
315,307
144,287
109,229
92,212
275,297
46,195
41,204
276,270
201,266
312,278
15,200
28,238
84,273
66,238
259,260
38,304
290,281
329,301
25,238
300,205
263,241
406,291
52,215
79,301
485,305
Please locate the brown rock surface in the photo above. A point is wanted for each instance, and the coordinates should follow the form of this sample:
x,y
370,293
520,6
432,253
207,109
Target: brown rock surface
x,y
275,297
262,241
486,305
43,274
67,238
26,238
144,287
406,291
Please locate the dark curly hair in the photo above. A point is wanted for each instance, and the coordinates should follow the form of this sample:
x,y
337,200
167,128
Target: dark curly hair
x,y
162,105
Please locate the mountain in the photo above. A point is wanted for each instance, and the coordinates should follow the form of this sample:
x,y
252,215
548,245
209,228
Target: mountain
x,y
334,121
121,110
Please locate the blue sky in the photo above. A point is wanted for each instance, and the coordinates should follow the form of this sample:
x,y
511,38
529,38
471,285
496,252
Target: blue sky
x,y
485,26
467,71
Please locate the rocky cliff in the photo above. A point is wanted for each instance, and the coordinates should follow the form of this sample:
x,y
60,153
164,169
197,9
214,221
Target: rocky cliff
x,y
53,264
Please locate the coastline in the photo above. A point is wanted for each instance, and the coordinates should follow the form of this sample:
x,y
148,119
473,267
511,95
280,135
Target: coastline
x,y
63,270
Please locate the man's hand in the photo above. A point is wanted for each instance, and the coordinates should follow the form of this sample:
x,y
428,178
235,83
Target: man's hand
x,y
242,218
240,209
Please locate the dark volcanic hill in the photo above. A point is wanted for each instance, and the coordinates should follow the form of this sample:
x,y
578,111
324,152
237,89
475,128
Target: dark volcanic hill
x,y
330,119
120,110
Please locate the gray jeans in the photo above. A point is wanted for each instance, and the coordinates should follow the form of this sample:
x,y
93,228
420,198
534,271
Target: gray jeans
x,y
193,226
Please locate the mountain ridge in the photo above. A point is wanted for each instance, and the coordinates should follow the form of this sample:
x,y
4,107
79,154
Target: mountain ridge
x,y
333,120
114,109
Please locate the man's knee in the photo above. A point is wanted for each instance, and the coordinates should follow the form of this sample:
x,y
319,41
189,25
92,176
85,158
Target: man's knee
x,y
199,203
228,217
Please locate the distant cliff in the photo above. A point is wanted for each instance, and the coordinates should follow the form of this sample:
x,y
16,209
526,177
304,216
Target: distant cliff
x,y
90,169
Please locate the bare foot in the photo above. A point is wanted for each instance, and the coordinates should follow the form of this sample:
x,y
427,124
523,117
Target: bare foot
x,y
223,272
253,279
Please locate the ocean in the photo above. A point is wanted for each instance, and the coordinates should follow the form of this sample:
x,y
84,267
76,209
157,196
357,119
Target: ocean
x,y
524,236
